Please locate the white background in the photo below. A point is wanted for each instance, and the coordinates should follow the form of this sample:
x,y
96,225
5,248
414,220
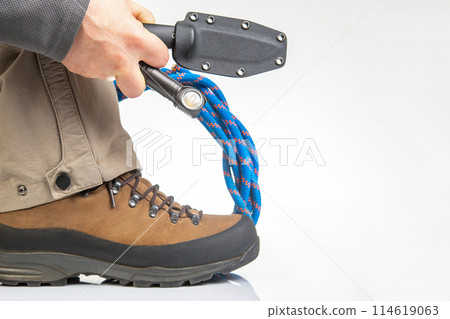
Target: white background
x,y
368,82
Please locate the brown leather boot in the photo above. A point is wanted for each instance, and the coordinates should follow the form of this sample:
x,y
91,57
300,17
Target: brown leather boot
x,y
125,230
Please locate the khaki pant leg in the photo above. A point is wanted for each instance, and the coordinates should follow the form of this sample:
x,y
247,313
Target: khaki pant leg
x,y
55,126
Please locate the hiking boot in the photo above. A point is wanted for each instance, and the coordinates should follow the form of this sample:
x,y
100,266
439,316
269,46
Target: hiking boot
x,y
125,230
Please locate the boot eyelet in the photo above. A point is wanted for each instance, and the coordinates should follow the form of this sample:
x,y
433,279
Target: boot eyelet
x,y
195,219
133,201
116,187
153,211
174,217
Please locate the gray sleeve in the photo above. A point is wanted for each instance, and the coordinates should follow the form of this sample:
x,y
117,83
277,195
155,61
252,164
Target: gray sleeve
x,y
43,26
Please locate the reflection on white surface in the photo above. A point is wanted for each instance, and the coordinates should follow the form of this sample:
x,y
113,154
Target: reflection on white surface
x,y
220,287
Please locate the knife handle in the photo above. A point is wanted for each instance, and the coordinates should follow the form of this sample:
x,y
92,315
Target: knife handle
x,y
165,32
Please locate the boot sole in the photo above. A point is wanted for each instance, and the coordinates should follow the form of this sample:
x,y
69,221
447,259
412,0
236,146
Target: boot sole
x,y
57,269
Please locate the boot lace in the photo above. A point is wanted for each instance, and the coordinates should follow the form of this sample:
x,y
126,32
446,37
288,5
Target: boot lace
x,y
175,213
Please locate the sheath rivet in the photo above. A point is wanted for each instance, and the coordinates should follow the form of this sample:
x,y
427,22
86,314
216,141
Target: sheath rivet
x,y
279,61
240,71
281,37
210,19
193,16
245,25
206,66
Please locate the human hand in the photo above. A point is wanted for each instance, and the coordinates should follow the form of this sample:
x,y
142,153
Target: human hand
x,y
111,42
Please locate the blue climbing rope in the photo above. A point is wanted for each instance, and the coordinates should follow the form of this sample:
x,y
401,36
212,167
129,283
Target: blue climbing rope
x,y
240,159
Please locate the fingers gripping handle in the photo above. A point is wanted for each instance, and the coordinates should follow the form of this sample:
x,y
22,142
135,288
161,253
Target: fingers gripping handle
x,y
186,98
